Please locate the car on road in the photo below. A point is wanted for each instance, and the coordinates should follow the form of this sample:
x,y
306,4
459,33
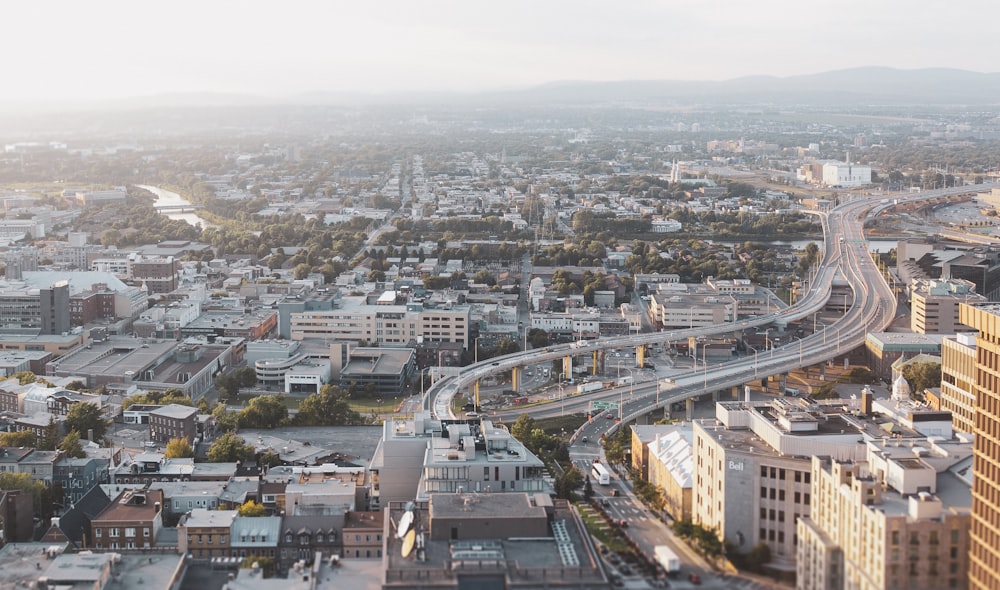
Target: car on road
x,y
609,415
695,579
584,439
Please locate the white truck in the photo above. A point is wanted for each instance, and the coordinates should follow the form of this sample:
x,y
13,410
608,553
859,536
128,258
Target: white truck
x,y
667,559
588,387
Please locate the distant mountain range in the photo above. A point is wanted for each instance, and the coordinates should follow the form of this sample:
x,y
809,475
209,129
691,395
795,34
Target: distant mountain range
x,y
849,87
855,86
868,85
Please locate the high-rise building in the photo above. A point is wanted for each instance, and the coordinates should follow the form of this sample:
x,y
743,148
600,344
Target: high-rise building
x,y
984,553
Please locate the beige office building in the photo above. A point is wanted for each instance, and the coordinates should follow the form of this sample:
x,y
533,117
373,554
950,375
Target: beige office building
x,y
934,304
384,323
958,379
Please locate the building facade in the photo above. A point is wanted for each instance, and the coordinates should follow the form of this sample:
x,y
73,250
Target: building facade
x,y
984,558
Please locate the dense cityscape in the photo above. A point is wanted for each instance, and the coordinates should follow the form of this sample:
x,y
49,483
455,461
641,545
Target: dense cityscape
x,y
273,347
472,296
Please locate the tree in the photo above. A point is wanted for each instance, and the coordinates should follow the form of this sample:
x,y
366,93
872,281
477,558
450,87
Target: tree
x,y
24,438
567,483
179,448
229,448
263,411
50,438
71,446
922,376
329,407
251,508
538,338
269,459
85,417
225,420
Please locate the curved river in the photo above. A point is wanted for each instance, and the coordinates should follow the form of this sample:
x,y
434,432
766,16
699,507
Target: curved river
x,y
165,197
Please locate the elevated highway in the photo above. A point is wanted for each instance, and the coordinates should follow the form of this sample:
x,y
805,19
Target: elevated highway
x,y
845,255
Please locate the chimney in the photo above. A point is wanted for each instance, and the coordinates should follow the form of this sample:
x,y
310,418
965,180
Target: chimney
x,y
866,401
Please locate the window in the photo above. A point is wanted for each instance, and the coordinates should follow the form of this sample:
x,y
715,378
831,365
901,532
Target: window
x,y
130,531
145,532
113,532
97,533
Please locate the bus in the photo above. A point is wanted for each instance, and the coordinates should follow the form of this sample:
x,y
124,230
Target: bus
x,y
601,474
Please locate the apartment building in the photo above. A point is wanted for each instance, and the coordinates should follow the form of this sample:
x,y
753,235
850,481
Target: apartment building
x,y
753,472
131,521
204,534
898,519
173,421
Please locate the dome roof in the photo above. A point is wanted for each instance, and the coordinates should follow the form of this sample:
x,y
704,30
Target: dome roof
x,y
900,388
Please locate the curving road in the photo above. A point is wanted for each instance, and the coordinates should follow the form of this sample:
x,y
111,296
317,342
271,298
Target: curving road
x,y
873,309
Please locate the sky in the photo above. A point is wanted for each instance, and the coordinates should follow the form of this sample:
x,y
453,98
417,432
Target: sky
x,y
69,49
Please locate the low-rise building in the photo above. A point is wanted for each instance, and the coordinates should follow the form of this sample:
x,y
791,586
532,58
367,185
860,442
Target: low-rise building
x,y
362,536
173,421
205,533
132,521
498,540
423,456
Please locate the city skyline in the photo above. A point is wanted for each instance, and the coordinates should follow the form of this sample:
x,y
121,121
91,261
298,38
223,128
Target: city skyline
x,y
70,51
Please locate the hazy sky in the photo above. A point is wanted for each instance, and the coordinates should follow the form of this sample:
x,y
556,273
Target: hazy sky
x,y
78,49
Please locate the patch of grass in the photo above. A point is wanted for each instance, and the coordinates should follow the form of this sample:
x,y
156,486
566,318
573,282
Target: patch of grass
x,y
556,425
601,530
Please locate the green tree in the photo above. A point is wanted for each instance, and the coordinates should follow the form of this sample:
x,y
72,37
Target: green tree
x,y
251,508
269,459
51,436
538,338
523,427
263,411
23,438
25,377
23,482
922,376
615,446
71,445
568,483
329,407
179,448
229,448
85,417
225,420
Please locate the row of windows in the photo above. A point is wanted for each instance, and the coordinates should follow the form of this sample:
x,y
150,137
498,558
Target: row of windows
x,y
116,532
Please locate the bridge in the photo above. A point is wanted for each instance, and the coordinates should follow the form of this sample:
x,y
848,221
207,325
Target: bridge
x,y
178,208
874,307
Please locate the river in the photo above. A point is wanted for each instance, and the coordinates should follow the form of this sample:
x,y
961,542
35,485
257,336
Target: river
x,y
165,197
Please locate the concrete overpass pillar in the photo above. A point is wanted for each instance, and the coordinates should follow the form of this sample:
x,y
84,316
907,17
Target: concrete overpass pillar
x,y
640,355
476,389
515,378
715,395
567,367
598,362
689,409
737,391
